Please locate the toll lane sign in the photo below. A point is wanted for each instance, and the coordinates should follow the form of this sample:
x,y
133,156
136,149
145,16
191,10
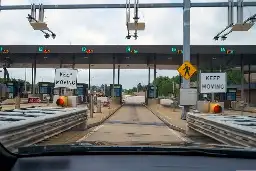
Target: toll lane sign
x,y
187,70
65,78
213,82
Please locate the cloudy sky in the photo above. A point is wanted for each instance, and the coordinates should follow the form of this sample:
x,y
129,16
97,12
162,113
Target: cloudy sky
x,y
107,26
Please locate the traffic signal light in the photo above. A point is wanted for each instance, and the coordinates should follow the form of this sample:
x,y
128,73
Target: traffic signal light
x,y
41,49
222,49
47,51
230,51
135,51
5,51
180,52
83,49
174,50
128,49
89,51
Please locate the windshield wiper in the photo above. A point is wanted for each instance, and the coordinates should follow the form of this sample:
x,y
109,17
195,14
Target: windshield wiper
x,y
85,149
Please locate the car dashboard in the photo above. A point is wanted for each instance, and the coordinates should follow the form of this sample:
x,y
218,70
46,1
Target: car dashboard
x,y
132,162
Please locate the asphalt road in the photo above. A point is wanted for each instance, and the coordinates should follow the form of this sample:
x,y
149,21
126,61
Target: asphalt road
x,y
133,125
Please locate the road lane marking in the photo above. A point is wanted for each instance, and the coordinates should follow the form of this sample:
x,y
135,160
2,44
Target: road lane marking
x,y
90,133
178,135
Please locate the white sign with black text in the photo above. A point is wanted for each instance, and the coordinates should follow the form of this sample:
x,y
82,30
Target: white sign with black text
x,y
213,82
65,78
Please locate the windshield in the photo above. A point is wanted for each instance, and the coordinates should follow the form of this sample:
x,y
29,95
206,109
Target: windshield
x,y
123,76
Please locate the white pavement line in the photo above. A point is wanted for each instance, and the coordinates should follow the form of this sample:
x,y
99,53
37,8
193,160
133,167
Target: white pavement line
x,y
90,133
178,135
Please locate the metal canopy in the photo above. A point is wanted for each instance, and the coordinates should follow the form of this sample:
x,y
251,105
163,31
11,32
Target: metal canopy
x,y
135,49
111,6
102,56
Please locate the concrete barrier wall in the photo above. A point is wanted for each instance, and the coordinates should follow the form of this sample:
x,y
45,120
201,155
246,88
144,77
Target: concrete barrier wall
x,y
134,100
28,132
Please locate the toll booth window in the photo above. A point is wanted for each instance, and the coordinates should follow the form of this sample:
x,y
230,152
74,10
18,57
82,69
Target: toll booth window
x,y
10,89
80,91
44,90
151,94
117,92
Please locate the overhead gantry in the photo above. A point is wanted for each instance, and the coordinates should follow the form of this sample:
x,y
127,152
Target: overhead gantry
x,y
39,24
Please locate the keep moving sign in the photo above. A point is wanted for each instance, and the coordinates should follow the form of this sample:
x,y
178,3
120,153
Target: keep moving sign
x,y
213,82
65,78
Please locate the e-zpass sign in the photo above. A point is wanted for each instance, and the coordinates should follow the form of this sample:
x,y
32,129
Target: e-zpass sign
x,y
65,78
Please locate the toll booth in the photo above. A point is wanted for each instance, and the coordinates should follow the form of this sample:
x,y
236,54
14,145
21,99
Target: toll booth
x,y
45,89
231,94
150,91
82,92
3,92
13,88
149,97
117,92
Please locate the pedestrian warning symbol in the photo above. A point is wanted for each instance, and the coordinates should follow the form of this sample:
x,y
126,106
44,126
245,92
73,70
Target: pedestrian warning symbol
x,y
187,70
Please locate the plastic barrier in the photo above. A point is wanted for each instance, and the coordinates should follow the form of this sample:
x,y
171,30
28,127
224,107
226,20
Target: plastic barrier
x,y
215,108
62,101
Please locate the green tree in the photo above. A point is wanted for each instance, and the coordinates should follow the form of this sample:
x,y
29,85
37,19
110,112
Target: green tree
x,y
165,85
14,80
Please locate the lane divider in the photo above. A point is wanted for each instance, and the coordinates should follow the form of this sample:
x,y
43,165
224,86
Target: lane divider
x,y
163,119
173,128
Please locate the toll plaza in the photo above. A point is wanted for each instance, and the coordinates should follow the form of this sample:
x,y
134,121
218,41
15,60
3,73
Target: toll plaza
x,y
167,57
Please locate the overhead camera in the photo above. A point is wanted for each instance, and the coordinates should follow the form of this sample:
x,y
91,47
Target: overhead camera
x,y
53,35
223,38
253,19
216,38
135,36
30,18
128,37
46,35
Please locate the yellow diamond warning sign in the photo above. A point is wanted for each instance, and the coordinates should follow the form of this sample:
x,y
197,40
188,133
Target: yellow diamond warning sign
x,y
187,70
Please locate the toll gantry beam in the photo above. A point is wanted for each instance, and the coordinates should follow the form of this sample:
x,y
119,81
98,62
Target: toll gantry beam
x,y
111,6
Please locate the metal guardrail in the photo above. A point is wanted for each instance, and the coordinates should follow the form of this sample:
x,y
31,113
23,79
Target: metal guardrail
x,y
220,132
32,133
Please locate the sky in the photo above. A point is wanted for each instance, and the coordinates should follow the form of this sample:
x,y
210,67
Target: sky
x,y
107,27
